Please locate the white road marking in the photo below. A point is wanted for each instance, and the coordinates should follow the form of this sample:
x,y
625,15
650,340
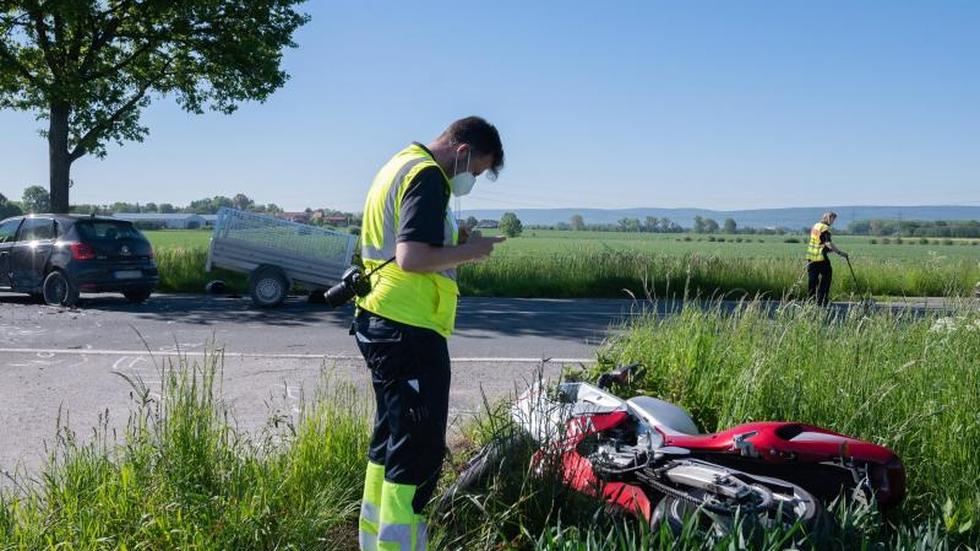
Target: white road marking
x,y
286,356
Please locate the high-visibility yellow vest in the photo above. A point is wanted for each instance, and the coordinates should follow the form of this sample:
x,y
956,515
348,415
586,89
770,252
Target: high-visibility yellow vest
x,y
814,251
419,299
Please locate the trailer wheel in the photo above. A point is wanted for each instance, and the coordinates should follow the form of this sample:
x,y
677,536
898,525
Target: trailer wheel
x,y
268,286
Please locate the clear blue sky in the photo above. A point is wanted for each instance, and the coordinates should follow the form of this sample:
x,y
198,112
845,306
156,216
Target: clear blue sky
x,y
722,105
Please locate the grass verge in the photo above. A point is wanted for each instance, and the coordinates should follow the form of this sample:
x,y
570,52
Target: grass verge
x,y
182,476
910,382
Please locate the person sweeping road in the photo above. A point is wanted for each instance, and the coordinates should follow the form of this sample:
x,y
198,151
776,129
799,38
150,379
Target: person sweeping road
x,y
402,323
819,270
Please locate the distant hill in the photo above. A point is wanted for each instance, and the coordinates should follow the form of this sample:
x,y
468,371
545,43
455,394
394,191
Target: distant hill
x,y
796,217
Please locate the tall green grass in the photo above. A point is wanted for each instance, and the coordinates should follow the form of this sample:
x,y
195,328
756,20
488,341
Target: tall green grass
x,y
909,382
183,477
906,381
619,273
182,270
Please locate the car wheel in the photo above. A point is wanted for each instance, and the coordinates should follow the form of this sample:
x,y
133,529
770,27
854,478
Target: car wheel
x,y
58,290
138,296
268,286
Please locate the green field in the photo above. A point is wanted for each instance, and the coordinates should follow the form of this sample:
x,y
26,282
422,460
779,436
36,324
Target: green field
x,y
536,242
178,238
565,264
554,242
183,476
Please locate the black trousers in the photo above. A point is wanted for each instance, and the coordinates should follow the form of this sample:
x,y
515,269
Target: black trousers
x,y
410,374
820,273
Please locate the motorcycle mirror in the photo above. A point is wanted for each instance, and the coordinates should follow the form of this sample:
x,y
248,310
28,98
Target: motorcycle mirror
x,y
621,375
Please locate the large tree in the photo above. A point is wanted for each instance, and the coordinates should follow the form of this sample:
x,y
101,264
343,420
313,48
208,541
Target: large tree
x,y
242,202
510,225
89,67
730,225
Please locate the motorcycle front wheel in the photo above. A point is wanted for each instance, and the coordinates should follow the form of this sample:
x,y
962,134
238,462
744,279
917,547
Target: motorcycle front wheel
x,y
496,455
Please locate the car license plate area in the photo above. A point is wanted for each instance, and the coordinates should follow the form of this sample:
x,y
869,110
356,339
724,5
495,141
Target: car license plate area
x,y
128,274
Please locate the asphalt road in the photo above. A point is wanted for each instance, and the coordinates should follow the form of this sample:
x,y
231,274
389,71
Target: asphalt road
x,y
72,360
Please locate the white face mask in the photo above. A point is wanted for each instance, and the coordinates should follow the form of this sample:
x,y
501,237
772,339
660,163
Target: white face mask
x,y
462,182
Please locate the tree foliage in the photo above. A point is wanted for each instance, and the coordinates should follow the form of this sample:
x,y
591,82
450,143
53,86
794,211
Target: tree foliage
x,y
36,199
916,228
510,225
705,225
8,208
89,67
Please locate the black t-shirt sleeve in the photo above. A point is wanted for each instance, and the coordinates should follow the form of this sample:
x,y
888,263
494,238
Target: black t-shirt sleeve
x,y
422,217
824,237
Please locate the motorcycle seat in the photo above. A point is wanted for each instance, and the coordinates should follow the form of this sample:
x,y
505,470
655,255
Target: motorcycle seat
x,y
667,417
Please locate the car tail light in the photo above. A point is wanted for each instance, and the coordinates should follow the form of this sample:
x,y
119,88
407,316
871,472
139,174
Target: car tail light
x,y
150,254
82,251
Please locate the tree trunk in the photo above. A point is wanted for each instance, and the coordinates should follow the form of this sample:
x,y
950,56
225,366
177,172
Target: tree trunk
x,y
59,159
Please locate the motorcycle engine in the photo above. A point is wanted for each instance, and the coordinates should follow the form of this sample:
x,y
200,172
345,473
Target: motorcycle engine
x,y
617,452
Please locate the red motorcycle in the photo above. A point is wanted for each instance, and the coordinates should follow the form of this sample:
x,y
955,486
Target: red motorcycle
x,y
646,456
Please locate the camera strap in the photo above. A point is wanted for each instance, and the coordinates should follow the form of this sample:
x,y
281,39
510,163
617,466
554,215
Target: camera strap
x,y
383,264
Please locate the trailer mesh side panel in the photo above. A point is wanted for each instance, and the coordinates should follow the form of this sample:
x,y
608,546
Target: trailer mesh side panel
x,y
290,239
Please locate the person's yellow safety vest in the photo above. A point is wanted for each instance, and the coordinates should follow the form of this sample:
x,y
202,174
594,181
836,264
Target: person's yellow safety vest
x,y
814,251
419,299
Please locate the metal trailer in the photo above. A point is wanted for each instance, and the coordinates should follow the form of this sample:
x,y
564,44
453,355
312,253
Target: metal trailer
x,y
277,253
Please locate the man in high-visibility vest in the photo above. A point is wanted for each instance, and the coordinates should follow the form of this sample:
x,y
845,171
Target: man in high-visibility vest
x,y
402,324
818,265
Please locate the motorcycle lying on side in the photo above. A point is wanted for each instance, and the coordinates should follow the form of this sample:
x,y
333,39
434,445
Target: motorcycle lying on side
x,y
646,457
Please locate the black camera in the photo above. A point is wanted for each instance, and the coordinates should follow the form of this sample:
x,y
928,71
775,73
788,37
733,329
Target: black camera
x,y
353,282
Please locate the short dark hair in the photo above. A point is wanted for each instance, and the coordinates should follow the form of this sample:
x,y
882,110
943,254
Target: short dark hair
x,y
479,135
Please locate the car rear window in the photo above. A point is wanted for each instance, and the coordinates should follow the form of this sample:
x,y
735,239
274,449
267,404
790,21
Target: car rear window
x,y
95,230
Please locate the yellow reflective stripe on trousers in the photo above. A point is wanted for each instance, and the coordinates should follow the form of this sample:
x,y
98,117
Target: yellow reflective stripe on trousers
x,y
368,527
403,537
398,519
368,523
421,533
395,537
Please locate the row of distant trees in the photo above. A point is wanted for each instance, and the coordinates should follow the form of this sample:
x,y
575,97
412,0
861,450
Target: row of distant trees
x,y
37,199
654,224
916,228
207,205
34,199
